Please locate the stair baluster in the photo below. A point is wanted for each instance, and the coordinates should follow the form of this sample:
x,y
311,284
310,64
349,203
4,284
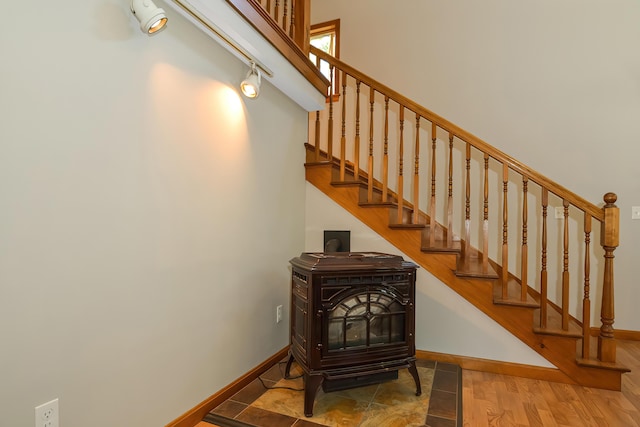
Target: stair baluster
x,y
432,201
292,23
485,218
449,242
565,269
543,272
284,18
586,302
343,138
356,149
467,219
317,137
416,175
400,213
505,233
370,163
330,123
525,248
385,154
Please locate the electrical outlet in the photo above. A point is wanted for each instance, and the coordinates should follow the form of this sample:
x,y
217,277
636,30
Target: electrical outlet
x,y
559,212
47,414
635,212
278,314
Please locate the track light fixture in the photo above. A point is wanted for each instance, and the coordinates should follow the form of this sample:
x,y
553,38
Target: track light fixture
x,y
251,84
152,18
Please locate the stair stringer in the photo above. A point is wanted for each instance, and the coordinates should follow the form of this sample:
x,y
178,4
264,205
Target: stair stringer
x,y
558,350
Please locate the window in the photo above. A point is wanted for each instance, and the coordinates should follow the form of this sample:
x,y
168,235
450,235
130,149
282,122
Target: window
x,y
326,37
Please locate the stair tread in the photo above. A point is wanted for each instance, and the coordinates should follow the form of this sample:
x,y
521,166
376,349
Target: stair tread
x,y
514,296
355,183
472,265
405,221
440,243
593,363
592,360
377,199
407,226
554,324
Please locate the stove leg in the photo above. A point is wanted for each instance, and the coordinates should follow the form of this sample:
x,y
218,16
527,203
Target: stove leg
x,y
414,373
311,385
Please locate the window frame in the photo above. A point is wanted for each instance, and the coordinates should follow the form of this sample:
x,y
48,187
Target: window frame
x,y
332,28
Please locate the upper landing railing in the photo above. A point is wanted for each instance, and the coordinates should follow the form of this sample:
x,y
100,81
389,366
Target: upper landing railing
x,y
285,23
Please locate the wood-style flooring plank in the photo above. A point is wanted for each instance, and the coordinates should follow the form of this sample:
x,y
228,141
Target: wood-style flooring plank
x,y
494,400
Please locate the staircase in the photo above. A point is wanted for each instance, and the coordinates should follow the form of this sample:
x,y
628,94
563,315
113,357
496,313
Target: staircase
x,y
453,229
497,232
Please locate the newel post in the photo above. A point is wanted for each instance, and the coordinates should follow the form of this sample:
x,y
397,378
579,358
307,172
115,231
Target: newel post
x,y
609,238
302,24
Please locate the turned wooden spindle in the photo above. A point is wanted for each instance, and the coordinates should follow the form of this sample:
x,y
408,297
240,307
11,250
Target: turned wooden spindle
x,y
292,21
330,123
401,167
543,272
317,137
450,195
385,153
343,139
505,233
586,301
525,248
416,175
432,202
372,95
284,16
485,219
356,145
565,269
467,214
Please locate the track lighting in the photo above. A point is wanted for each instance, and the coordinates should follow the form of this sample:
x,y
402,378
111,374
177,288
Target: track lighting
x,y
152,18
251,84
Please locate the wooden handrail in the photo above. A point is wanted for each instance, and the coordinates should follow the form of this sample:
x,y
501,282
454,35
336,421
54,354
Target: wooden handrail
x,y
462,134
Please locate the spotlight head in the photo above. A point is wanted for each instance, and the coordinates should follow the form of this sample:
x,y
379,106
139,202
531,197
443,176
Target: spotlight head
x,y
250,86
152,18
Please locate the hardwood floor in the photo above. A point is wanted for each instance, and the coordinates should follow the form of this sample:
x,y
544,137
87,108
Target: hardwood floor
x,y
500,400
495,400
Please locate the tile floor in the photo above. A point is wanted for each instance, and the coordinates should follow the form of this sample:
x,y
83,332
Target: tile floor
x,y
390,404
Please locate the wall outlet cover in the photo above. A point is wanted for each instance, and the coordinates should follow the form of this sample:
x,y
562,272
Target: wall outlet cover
x,y
559,212
47,414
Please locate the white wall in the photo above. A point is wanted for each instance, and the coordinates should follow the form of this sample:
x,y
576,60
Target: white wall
x,y
554,84
147,216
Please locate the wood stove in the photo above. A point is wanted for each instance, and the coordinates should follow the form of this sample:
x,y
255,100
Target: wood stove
x,y
352,320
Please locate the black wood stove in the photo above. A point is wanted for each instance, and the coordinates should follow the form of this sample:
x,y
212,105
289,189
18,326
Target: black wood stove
x,y
352,320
